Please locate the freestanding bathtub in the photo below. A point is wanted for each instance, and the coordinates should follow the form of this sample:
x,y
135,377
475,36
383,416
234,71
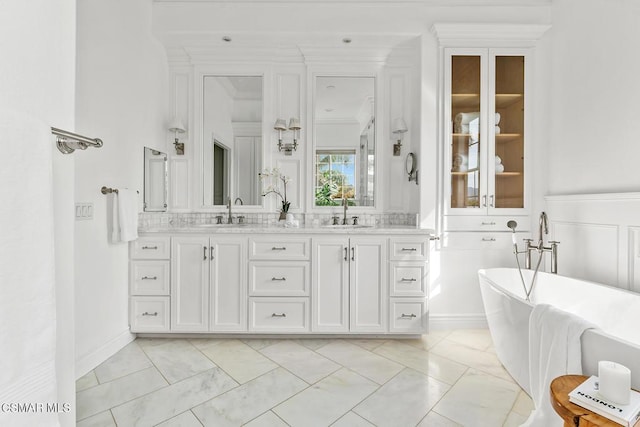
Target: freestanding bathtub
x,y
616,313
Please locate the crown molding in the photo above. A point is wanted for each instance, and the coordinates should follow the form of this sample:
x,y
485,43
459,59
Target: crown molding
x,y
458,34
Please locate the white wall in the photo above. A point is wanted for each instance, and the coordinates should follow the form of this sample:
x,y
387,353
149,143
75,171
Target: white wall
x,y
122,97
593,97
37,45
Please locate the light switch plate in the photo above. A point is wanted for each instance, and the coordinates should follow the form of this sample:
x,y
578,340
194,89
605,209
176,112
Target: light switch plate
x,y
84,211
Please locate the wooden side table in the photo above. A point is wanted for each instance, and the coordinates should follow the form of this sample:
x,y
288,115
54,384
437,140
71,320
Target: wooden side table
x,y
574,415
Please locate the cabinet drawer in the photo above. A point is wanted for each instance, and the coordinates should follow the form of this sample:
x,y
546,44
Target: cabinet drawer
x,y
410,249
279,314
150,248
483,223
408,315
149,278
149,314
277,278
279,249
408,279
484,241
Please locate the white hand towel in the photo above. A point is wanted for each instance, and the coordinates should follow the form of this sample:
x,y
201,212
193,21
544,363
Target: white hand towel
x,y
497,130
115,221
27,278
554,350
128,214
497,118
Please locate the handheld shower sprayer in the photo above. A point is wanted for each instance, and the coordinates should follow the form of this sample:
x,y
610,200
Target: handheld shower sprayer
x,y
512,225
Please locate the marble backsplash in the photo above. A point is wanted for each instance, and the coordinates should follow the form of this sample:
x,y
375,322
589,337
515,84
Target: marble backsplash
x,y
153,220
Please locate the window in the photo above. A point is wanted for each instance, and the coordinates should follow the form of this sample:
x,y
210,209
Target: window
x,y
335,176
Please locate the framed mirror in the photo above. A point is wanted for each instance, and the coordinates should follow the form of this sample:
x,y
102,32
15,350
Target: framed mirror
x,y
344,156
155,180
231,140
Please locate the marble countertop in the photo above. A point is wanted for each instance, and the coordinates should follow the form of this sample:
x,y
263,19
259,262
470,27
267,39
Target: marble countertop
x,y
273,229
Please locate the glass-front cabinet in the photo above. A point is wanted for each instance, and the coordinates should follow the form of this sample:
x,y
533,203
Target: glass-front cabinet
x,y
485,117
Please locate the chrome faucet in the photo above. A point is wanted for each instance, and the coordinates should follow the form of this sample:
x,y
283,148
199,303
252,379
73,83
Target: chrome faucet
x,y
543,228
344,210
229,217
238,199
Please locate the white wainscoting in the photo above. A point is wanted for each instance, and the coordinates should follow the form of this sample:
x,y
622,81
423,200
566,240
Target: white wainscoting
x,y
599,237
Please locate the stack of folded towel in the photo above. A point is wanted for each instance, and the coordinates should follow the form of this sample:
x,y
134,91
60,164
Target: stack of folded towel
x,y
470,123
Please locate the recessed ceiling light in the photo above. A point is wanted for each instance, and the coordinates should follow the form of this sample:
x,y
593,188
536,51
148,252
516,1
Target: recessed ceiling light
x,y
346,40
226,39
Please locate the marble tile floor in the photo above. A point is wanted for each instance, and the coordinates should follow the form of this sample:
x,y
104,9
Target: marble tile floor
x,y
446,378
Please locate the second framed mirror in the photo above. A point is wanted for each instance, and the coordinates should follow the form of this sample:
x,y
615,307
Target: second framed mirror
x,y
344,156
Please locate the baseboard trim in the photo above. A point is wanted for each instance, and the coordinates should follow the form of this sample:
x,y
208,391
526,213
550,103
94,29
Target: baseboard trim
x,y
87,362
457,321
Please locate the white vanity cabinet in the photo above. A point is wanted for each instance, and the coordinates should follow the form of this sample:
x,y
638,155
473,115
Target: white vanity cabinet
x,y
208,283
295,282
149,285
350,284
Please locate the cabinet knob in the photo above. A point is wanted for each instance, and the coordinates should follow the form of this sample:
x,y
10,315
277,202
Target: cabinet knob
x,y
409,249
278,315
407,280
488,239
150,247
146,313
282,248
149,278
278,279
488,223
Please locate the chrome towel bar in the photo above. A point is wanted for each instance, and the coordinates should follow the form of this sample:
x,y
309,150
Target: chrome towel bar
x,y
67,142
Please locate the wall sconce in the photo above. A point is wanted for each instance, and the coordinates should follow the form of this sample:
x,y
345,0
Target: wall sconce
x,y
398,129
281,126
177,127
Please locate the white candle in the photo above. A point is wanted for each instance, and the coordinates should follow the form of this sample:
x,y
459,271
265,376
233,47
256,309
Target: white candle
x,y
614,382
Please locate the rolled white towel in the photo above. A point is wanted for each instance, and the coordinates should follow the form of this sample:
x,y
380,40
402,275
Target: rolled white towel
x,y
497,118
497,130
498,160
499,168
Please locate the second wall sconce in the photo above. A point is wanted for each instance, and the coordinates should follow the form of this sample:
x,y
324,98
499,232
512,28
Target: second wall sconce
x,y
177,127
294,126
398,128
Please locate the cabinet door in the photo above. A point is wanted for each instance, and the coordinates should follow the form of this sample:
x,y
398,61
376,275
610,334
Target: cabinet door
x,y
368,284
330,284
228,284
507,73
466,132
190,284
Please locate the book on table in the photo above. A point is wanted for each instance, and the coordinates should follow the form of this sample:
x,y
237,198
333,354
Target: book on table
x,y
586,395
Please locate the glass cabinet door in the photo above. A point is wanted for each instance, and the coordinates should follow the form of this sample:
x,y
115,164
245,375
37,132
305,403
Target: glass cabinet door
x,y
509,133
467,180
